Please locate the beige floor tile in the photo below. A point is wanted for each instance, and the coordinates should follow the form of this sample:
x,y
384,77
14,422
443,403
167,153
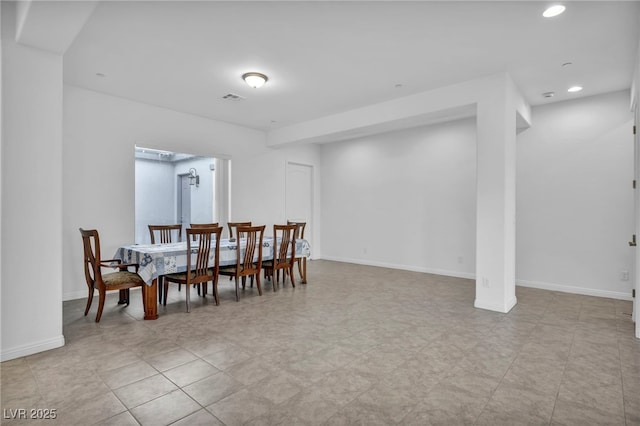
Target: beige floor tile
x,y
357,345
145,390
166,409
570,414
240,407
168,360
190,372
122,376
213,388
199,418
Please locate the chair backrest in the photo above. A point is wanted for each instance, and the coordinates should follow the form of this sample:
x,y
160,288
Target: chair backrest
x,y
91,244
165,232
287,236
202,225
201,238
234,225
299,228
254,236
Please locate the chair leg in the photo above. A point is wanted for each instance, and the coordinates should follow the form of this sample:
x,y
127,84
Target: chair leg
x,y
237,297
274,283
166,290
89,301
101,296
299,262
258,283
293,281
144,289
215,290
160,286
126,292
188,291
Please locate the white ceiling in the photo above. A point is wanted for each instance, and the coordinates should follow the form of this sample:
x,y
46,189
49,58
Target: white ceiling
x,y
326,57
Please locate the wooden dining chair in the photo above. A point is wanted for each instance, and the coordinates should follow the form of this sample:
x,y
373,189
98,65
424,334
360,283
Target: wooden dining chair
x,y
249,261
300,226
284,253
203,225
122,280
232,227
202,270
165,233
194,236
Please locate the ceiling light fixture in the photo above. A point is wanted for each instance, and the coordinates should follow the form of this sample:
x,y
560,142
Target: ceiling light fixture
x,y
255,79
574,89
554,10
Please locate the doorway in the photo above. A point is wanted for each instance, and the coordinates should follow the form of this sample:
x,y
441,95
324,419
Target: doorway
x,y
299,196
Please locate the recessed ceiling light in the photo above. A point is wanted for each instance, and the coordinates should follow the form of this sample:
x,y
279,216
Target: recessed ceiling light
x,y
574,89
99,74
548,94
554,10
398,85
566,64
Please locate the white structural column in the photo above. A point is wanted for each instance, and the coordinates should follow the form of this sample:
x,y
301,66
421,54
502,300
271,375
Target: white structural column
x,y
496,198
31,219
501,111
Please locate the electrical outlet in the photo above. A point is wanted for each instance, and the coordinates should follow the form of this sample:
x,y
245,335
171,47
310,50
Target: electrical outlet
x,y
624,276
460,259
485,282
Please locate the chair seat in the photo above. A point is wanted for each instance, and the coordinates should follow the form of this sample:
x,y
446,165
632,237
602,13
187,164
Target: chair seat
x,y
117,279
227,269
182,276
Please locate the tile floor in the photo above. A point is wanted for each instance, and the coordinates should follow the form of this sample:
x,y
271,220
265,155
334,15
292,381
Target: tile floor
x,y
357,345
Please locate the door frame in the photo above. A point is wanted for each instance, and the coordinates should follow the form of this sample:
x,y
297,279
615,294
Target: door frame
x,y
309,230
179,179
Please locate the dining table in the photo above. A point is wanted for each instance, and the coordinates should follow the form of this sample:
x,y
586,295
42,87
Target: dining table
x,y
156,260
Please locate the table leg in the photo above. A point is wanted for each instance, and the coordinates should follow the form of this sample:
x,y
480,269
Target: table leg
x,y
150,295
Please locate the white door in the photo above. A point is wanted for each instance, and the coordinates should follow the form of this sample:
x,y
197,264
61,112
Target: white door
x,y
299,196
184,203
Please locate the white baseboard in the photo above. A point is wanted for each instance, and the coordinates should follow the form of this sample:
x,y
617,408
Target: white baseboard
x,y
575,290
412,268
31,348
472,276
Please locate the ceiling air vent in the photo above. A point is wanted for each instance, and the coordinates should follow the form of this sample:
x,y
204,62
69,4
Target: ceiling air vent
x,y
232,97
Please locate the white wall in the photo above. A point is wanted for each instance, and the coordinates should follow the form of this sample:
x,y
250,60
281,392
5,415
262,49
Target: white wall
x,y
574,197
405,199
417,188
31,317
100,132
155,193
258,188
201,195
